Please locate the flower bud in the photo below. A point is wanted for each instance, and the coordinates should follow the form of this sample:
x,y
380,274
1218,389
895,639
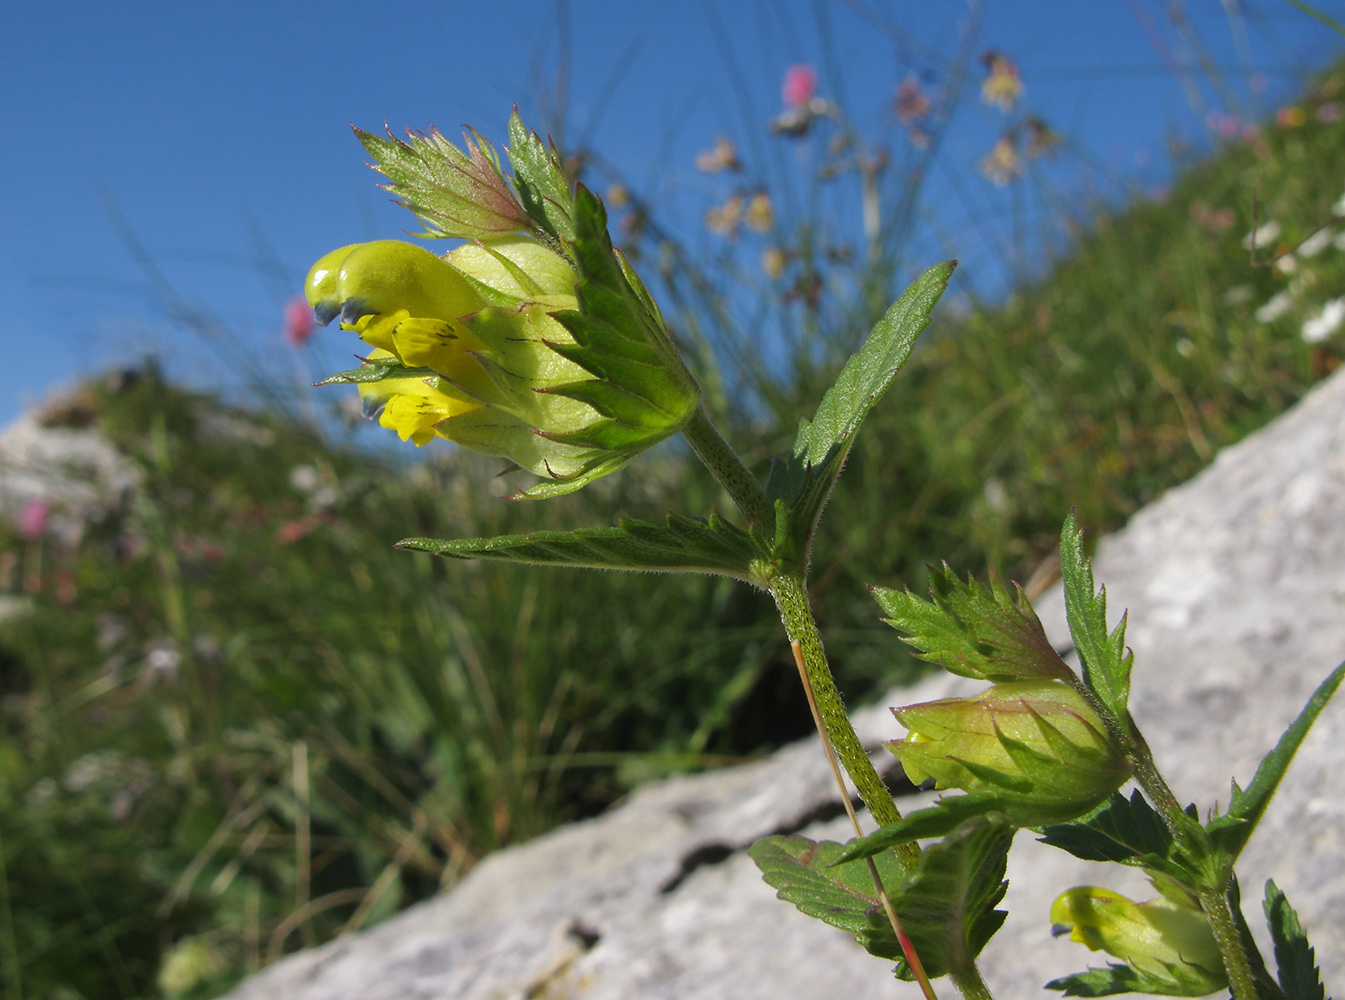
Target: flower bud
x,y
1036,744
1166,940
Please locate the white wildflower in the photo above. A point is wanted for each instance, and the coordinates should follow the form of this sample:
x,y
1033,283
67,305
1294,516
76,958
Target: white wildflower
x,y
1263,236
1275,308
1287,264
1316,243
1325,323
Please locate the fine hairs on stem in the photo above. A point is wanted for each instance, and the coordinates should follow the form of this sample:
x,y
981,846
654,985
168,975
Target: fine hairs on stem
x,y
907,948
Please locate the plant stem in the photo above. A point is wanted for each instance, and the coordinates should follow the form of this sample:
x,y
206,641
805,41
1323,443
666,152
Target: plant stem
x,y
715,453
1220,917
791,598
1213,898
969,982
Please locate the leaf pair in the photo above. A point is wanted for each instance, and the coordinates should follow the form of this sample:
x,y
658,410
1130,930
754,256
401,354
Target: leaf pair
x,y
946,907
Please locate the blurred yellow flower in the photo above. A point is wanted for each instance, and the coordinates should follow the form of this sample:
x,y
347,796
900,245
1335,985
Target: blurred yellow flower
x,y
759,216
773,262
1002,165
1003,86
721,157
724,219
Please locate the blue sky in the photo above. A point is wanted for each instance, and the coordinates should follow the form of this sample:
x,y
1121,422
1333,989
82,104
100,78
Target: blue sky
x,y
220,131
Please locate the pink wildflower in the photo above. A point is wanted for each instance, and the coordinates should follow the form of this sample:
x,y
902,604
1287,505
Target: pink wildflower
x,y
800,85
33,520
298,321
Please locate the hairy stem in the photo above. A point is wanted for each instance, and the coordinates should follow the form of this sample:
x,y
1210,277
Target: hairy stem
x,y
791,598
969,983
724,463
1217,912
1213,898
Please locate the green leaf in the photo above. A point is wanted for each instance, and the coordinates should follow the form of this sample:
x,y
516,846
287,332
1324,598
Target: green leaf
x,y
1295,960
946,907
822,443
542,185
378,370
1123,979
972,630
1126,831
803,872
680,544
1231,831
1106,661
452,193
936,821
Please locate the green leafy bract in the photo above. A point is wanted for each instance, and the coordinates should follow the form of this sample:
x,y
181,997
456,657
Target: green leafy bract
x,y
973,630
1128,832
938,820
452,193
640,384
540,180
805,481
946,908
1233,829
378,370
680,544
1124,979
1106,661
1295,959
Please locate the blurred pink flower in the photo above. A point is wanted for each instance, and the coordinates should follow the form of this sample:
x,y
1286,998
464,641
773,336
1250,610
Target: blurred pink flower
x,y
910,103
298,321
800,85
33,520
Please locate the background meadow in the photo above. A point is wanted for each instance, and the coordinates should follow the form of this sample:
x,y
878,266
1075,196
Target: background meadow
x,y
236,721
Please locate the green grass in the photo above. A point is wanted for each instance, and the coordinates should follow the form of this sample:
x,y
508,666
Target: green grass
x,y
341,728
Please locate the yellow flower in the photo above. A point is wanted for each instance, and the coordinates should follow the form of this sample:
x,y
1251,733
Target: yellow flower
x,y
1003,86
1166,939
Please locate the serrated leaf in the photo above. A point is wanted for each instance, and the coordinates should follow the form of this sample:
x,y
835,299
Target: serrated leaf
x,y
946,907
1106,660
1126,831
973,630
542,186
1295,959
803,872
822,442
937,820
453,193
377,370
680,544
1104,982
1231,831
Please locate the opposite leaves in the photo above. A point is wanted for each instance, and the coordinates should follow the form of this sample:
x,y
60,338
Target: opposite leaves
x,y
947,908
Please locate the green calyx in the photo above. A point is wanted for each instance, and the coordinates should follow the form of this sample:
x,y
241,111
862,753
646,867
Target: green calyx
x,y
1035,745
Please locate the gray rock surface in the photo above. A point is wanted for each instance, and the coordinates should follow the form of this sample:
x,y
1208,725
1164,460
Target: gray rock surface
x,y
1235,584
76,473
